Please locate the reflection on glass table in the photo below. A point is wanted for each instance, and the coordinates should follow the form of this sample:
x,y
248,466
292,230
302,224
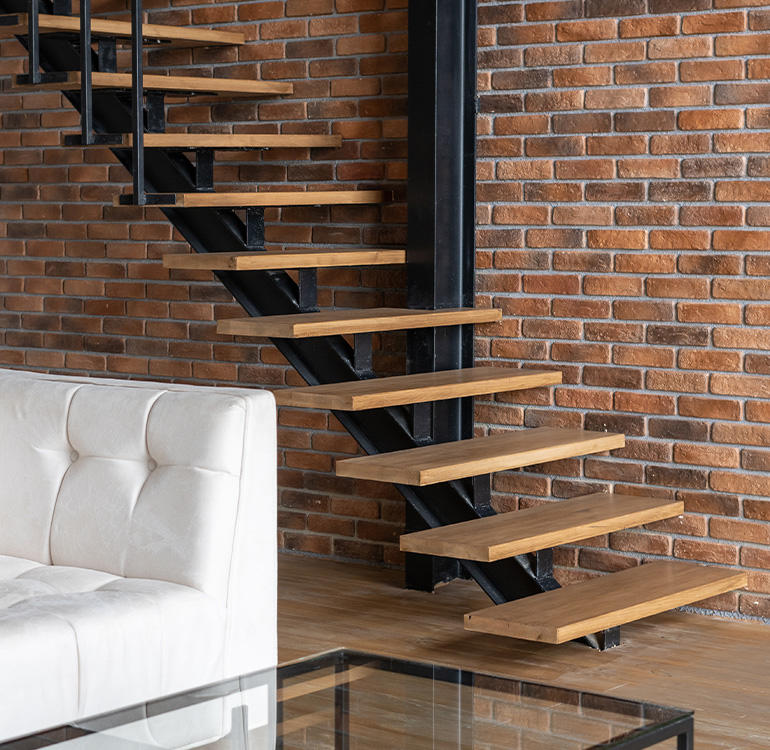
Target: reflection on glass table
x,y
346,700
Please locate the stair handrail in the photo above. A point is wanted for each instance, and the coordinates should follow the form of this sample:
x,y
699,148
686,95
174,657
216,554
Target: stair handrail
x,y
86,76
137,101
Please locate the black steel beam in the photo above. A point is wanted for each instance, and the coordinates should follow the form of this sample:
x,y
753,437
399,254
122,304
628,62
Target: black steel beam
x,y
442,204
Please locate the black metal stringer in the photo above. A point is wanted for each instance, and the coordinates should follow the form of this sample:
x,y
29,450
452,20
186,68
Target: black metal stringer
x,y
440,257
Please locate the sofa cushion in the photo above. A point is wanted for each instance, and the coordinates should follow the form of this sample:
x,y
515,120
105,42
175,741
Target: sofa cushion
x,y
137,541
134,479
99,642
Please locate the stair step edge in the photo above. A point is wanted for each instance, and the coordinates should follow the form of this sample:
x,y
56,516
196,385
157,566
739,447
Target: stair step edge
x,y
563,522
606,602
467,458
412,389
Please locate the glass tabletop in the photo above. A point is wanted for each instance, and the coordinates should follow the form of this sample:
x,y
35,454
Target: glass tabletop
x,y
347,700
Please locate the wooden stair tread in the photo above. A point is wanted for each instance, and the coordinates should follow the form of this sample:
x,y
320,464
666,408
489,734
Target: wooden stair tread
x,y
224,141
267,261
516,533
444,462
412,389
340,322
274,198
186,85
605,602
186,36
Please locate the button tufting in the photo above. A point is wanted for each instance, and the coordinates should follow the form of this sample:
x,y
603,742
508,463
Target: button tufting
x,y
152,465
74,456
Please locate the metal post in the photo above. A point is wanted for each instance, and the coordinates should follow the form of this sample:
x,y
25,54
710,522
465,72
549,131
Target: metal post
x,y
362,354
441,247
307,284
422,422
544,564
107,51
255,228
686,740
204,170
341,708
482,494
609,638
155,104
137,101
33,29
86,76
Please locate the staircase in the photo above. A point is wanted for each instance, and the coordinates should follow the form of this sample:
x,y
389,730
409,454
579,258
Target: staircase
x,y
417,428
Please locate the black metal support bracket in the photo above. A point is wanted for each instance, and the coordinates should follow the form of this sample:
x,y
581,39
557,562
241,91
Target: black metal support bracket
x,y
362,355
62,7
155,112
308,289
608,639
544,564
204,170
255,228
422,422
482,494
154,199
107,55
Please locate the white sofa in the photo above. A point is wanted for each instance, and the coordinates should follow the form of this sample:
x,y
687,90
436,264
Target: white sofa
x,y
137,542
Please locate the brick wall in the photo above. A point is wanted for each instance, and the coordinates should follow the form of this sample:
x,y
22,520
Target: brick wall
x,y
623,211
623,191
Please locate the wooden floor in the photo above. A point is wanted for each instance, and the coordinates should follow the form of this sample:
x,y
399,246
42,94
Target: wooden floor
x,y
720,668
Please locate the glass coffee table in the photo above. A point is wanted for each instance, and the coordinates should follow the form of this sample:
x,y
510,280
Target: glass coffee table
x,y
346,700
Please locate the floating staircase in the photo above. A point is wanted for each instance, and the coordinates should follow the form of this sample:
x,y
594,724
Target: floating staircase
x,y
417,428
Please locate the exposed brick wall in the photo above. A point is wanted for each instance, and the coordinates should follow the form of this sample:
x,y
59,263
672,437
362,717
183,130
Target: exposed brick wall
x,y
622,194
623,214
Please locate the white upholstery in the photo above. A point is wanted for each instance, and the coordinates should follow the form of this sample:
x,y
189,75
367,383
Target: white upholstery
x,y
137,542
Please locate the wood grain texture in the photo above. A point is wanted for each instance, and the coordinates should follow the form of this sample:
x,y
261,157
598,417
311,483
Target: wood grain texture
x,y
181,36
267,261
225,141
187,85
549,525
605,602
414,389
467,458
275,198
717,666
339,322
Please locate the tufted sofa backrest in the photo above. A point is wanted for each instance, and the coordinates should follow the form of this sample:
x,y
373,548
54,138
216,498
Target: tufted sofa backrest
x,y
142,480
